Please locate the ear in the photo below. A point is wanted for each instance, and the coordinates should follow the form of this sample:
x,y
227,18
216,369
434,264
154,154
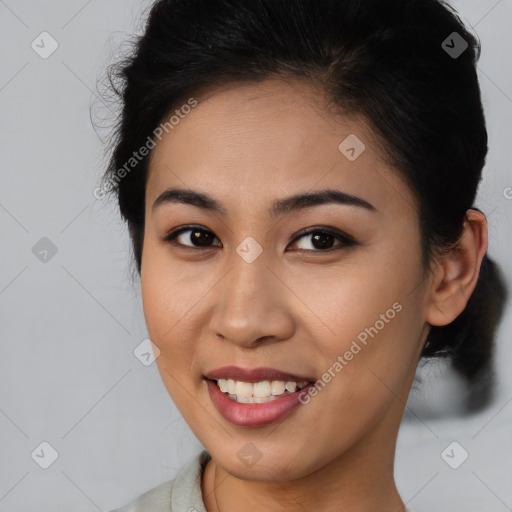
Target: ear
x,y
456,273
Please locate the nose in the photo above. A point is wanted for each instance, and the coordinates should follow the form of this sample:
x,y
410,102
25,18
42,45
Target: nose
x,y
253,305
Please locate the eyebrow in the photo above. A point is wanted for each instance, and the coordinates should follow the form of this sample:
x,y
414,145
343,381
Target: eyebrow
x,y
278,208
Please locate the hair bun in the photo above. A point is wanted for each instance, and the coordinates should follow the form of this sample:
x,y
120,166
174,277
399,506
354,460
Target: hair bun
x,y
469,339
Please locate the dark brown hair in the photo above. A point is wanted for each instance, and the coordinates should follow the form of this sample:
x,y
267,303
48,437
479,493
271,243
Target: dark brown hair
x,y
390,61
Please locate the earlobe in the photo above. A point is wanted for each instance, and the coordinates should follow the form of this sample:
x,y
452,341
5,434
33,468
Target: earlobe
x,y
456,273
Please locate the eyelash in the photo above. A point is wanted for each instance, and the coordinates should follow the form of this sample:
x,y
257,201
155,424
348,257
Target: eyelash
x,y
346,240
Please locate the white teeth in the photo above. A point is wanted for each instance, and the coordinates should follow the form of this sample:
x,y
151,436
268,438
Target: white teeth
x,y
291,386
243,388
261,389
230,386
278,387
252,399
226,385
258,392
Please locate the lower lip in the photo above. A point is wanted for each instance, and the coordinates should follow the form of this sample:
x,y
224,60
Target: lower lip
x,y
254,415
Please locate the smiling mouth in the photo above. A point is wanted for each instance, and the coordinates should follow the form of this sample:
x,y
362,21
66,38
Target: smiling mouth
x,y
258,392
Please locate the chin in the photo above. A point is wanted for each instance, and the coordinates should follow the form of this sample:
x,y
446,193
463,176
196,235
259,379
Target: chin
x,y
271,467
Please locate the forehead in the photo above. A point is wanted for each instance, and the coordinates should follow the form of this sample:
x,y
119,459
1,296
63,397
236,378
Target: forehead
x,y
270,139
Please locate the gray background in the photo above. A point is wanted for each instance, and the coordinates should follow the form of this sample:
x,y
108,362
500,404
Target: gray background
x,y
69,325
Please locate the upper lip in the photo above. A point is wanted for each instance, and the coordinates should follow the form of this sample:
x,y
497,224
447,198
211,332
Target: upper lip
x,y
254,374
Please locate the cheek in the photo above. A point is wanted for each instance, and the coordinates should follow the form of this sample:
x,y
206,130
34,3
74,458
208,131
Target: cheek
x,y
168,292
172,296
166,303
352,301
370,318
157,303
163,304
374,355
364,379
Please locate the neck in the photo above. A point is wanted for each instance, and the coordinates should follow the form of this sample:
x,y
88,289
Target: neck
x,y
361,479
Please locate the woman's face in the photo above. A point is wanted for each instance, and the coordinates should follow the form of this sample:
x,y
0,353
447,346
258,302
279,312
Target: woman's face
x,y
243,287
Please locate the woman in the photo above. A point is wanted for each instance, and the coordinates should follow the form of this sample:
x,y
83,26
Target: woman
x,y
298,181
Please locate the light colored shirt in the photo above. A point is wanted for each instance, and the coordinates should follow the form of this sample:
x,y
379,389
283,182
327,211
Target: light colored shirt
x,y
181,494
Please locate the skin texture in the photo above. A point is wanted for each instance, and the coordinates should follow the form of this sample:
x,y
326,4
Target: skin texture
x,y
297,307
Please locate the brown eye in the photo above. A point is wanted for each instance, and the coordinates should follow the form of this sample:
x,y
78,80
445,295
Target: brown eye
x,y
196,237
323,240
